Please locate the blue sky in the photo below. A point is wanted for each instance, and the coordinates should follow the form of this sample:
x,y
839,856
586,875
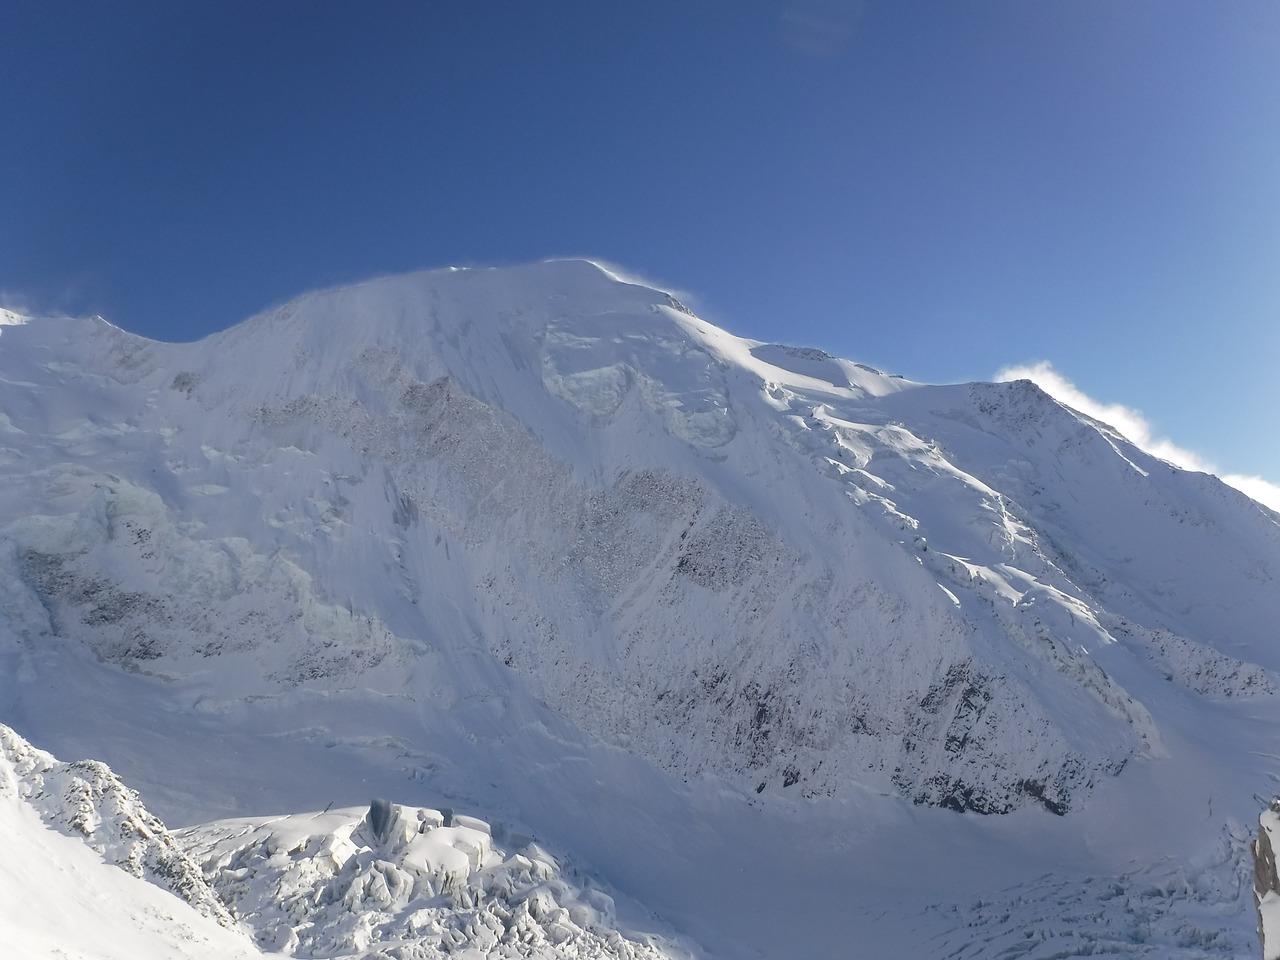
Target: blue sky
x,y
943,188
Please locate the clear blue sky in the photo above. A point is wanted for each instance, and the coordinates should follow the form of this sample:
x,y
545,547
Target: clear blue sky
x,y
938,188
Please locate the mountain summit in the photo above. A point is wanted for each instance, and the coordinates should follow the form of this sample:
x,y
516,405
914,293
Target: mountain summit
x,y
544,541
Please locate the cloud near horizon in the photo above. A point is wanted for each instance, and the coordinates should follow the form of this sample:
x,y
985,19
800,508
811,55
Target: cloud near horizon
x,y
1137,428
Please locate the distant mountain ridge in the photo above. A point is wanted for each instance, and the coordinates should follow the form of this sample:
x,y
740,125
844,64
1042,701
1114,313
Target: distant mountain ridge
x,y
556,515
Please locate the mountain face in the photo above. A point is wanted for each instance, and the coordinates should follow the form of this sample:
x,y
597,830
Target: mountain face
x,y
543,542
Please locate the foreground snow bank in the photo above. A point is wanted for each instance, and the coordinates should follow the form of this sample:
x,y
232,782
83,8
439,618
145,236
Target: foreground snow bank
x,y
78,848
87,801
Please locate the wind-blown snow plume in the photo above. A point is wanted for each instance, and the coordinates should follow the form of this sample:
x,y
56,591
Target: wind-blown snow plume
x,y
1134,425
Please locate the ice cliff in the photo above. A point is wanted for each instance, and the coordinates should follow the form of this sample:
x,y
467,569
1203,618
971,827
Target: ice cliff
x,y
408,884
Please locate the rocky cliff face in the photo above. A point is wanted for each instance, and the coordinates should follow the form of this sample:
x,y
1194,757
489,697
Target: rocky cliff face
x,y
1266,882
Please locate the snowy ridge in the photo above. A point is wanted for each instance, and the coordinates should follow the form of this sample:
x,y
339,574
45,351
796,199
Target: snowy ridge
x,y
86,800
547,543
88,874
408,884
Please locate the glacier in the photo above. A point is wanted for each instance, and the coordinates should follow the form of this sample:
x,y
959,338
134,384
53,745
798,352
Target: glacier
x,y
793,656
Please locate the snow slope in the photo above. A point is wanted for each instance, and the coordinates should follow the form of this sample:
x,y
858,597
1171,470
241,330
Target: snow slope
x,y
541,542
88,873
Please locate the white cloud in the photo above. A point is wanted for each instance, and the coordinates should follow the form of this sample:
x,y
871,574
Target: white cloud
x,y
1136,427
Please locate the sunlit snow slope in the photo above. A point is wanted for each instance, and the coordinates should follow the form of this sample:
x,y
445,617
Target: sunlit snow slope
x,y
745,626
88,874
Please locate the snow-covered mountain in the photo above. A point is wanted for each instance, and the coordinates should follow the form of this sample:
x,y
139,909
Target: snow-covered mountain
x,y
754,633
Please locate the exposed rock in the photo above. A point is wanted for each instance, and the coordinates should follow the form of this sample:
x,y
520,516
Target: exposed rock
x,y
1266,882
